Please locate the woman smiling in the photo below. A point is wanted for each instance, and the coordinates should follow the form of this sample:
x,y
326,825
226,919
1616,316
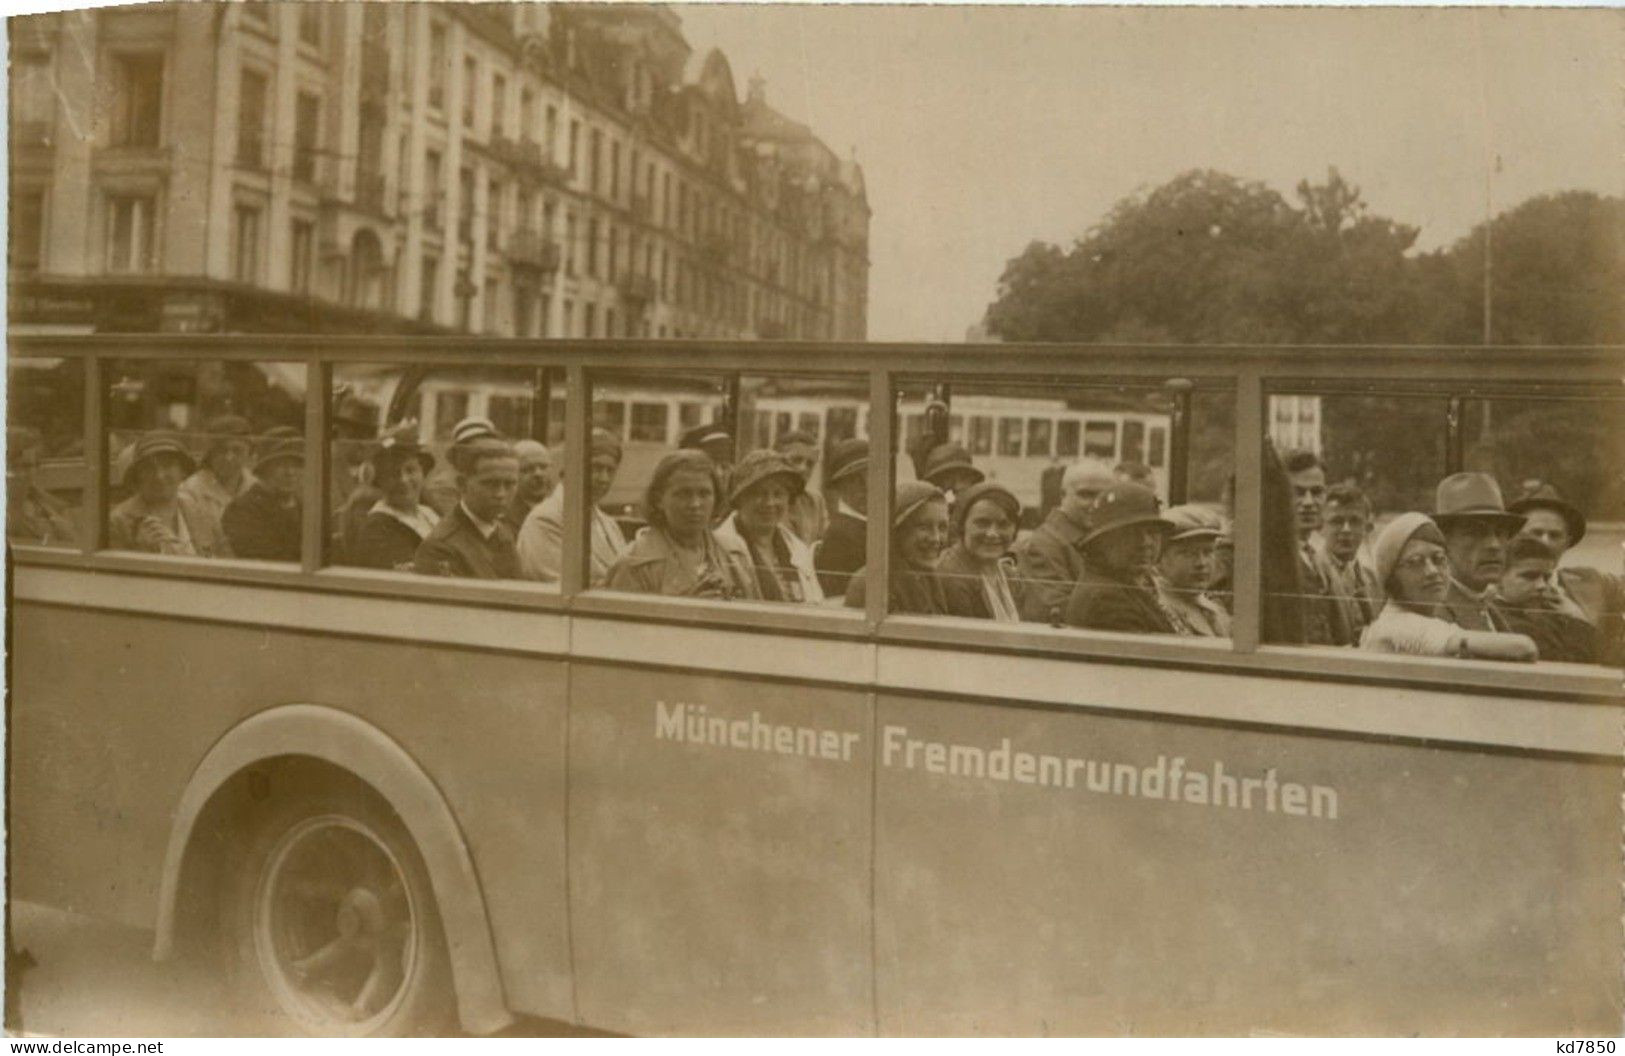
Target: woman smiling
x,y
974,581
765,486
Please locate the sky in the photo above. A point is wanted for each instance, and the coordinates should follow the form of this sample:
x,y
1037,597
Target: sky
x,y
981,129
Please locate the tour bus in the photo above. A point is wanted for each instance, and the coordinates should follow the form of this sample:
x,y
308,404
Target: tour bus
x,y
389,803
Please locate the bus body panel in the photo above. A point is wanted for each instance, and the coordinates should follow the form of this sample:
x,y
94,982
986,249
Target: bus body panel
x,y
720,853
1140,900
95,780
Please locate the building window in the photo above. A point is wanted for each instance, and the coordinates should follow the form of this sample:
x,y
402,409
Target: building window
x,y
33,100
493,213
465,204
465,300
527,114
310,23
432,189
613,240
499,105
26,223
524,310
437,65
568,323
594,159
592,247
306,114
550,132
130,234
137,100
615,172
301,251
609,322
575,146
426,286
525,207
570,245
245,244
251,121
471,84
493,314
589,320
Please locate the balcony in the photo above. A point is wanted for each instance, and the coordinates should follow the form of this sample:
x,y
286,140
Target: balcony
x,y
528,249
526,158
636,291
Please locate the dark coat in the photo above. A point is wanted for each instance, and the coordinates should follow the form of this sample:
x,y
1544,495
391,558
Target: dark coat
x,y
456,548
1325,620
911,593
843,550
1557,635
1049,564
383,542
962,592
259,526
1106,603
1602,597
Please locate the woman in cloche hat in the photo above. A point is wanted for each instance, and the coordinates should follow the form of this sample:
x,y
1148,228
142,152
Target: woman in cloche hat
x,y
763,486
919,532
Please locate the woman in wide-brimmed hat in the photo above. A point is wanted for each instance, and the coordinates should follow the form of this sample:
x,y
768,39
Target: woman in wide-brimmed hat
x,y
155,518
1414,570
398,522
919,532
975,582
265,522
763,486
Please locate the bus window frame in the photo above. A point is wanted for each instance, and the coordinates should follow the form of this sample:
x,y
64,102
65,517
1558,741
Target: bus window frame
x,y
1251,372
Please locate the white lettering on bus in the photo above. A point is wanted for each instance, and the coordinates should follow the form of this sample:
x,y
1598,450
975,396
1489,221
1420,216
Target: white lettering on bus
x,y
1167,779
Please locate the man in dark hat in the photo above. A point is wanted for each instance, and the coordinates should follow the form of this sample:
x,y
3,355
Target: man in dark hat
x,y
715,440
541,536
471,542
845,546
1477,527
1120,550
266,521
949,467
154,518
1049,561
1593,595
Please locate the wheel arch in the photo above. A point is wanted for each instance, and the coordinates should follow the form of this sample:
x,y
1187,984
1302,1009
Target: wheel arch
x,y
360,750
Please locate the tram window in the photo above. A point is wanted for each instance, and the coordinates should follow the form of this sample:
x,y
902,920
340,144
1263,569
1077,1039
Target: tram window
x,y
724,520
1134,442
1066,439
206,458
1022,534
447,497
843,423
555,422
649,422
1100,440
1038,434
981,435
45,456
1010,437
689,414
1157,452
610,415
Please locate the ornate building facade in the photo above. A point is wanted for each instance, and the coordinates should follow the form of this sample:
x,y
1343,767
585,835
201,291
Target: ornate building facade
x,y
509,169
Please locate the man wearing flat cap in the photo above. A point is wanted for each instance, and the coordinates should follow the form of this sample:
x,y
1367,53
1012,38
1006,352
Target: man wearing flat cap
x,y
1120,550
265,522
1185,569
541,536
1477,527
1587,593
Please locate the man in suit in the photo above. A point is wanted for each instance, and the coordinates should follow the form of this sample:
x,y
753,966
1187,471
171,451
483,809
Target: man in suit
x,y
471,542
1477,527
844,548
1048,561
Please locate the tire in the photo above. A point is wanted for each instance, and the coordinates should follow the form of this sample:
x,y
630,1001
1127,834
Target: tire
x,y
331,924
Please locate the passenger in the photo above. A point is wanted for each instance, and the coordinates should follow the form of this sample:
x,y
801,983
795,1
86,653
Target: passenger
x,y
678,554
350,517
536,481
1120,550
541,537
1135,473
714,441
809,516
949,467
919,532
471,542
442,490
222,477
843,548
354,429
974,581
1325,621
762,493
398,522
1477,528
154,518
1534,605
1596,596
1186,569
1347,521
32,515
1414,571
266,521
1048,560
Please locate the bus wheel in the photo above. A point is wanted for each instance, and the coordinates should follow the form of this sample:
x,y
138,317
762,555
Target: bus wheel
x,y
334,923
